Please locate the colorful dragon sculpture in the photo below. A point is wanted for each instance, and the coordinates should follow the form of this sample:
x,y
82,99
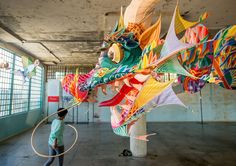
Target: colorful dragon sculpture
x,y
134,59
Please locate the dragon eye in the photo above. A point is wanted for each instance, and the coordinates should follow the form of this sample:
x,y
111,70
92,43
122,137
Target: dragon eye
x,y
115,53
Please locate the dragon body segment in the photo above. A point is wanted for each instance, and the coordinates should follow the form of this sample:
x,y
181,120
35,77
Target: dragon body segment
x,y
134,59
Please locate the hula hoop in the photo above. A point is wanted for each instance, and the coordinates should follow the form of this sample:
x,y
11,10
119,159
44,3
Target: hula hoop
x,y
33,133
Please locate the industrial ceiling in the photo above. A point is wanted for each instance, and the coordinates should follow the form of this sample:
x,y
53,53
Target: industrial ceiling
x,y
71,31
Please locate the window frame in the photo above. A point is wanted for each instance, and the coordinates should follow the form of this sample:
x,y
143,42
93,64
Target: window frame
x,y
8,108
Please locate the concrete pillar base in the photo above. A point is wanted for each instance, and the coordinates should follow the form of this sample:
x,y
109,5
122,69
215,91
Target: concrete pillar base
x,y
138,147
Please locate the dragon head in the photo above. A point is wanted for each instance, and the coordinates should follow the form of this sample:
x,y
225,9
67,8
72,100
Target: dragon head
x,y
121,54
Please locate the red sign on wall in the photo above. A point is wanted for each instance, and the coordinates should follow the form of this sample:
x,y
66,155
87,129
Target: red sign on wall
x,y
53,98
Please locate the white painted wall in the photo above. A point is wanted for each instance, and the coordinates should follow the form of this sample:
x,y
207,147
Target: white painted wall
x,y
53,89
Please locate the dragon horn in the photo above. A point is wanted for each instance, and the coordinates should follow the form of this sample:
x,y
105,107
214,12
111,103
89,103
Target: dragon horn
x,y
121,20
140,11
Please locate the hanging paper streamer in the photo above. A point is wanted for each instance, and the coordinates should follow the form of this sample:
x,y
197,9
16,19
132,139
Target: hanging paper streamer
x,y
29,68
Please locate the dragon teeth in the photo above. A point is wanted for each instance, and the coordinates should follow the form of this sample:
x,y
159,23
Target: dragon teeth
x,y
126,81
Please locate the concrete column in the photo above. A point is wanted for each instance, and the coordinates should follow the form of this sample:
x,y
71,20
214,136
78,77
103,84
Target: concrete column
x,y
138,147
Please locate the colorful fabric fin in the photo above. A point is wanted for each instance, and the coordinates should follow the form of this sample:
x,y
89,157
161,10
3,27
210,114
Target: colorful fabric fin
x,y
181,24
151,34
167,97
173,66
172,43
150,55
150,89
121,24
178,24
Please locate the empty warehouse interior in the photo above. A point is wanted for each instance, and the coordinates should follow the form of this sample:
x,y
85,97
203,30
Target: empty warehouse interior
x,y
123,83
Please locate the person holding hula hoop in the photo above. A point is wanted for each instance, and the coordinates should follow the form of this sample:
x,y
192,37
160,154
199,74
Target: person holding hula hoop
x,y
55,141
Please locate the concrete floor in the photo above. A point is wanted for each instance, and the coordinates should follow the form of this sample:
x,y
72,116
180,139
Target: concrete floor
x,y
176,144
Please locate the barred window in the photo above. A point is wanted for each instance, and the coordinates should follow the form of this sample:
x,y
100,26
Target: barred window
x,y
5,83
16,95
36,90
20,89
59,72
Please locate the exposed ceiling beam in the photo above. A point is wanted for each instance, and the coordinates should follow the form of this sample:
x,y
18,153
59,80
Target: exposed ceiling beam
x,y
50,51
18,37
63,41
9,31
